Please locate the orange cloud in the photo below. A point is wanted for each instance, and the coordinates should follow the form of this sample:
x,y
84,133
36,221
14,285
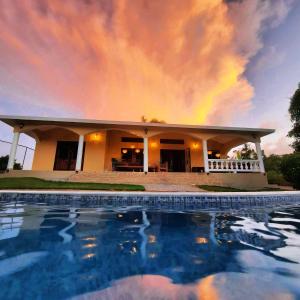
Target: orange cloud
x,y
176,60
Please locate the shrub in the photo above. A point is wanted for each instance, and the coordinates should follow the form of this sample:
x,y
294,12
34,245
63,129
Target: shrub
x,y
273,162
275,177
4,162
290,168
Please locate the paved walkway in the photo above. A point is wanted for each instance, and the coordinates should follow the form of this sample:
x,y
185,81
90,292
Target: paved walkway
x,y
164,187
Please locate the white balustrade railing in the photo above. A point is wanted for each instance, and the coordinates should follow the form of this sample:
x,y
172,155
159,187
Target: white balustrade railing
x,y
233,165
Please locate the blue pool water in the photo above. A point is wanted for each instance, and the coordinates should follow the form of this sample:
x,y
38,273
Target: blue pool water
x,y
64,252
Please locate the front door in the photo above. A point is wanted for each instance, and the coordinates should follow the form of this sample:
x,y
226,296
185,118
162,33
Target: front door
x,y
66,154
174,158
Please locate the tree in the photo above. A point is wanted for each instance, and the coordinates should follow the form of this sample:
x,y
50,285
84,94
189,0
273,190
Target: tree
x,y
144,119
273,162
290,168
294,111
273,168
153,120
246,153
4,162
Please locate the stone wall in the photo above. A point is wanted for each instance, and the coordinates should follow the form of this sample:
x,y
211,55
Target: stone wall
x,y
240,180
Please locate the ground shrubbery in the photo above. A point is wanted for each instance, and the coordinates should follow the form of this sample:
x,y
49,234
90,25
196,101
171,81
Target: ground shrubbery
x,y
275,177
4,161
272,166
283,169
290,168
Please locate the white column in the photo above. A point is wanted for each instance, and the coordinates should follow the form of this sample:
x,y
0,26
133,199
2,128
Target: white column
x,y
79,153
260,158
205,156
145,154
13,151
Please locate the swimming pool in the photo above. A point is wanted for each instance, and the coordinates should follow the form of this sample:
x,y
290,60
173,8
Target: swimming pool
x,y
61,251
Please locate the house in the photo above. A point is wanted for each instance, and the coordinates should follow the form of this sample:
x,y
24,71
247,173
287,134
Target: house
x,y
119,151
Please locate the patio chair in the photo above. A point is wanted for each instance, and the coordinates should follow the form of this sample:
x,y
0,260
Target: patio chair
x,y
164,167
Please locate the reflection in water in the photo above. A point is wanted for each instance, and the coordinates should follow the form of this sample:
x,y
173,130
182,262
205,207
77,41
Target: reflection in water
x,y
146,224
206,289
10,221
212,287
64,232
135,253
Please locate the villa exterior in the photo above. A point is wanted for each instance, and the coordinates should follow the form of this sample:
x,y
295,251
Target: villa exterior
x,y
81,146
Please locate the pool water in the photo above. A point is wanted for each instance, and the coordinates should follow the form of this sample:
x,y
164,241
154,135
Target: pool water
x,y
63,252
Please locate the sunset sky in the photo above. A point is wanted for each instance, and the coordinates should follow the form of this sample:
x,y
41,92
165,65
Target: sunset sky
x,y
214,62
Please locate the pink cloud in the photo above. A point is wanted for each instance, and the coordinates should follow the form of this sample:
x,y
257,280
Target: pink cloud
x,y
182,61
278,146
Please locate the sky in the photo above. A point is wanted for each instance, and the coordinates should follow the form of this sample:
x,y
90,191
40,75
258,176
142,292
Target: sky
x,y
213,62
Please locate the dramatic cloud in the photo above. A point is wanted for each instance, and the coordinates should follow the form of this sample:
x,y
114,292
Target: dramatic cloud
x,y
268,59
181,61
251,18
277,146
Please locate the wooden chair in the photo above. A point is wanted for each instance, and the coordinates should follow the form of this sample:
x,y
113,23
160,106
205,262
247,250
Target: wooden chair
x,y
164,167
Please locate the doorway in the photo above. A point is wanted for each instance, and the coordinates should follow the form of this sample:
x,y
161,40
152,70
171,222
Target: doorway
x,y
174,158
65,157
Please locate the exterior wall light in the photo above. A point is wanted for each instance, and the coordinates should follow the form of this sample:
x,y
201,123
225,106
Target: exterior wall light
x,y
95,137
195,146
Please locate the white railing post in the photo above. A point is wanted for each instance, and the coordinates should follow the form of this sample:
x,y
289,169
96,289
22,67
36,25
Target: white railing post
x,y
146,166
205,156
260,157
13,151
79,153
233,165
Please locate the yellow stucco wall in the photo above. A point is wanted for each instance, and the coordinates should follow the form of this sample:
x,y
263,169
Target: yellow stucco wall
x,y
44,155
98,155
45,151
94,155
114,145
193,144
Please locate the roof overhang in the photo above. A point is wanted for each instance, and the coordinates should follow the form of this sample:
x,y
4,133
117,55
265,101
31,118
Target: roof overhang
x,y
21,121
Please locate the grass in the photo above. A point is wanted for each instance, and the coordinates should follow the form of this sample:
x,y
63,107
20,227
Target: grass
x,y
31,183
216,188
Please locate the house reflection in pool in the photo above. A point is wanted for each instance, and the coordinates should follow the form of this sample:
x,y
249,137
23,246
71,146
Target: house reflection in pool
x,y
131,251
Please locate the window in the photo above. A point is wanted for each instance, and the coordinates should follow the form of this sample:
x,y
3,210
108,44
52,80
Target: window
x,y
213,154
132,155
132,140
172,141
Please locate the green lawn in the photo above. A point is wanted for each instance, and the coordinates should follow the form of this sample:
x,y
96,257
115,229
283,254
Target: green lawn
x,y
31,183
216,188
